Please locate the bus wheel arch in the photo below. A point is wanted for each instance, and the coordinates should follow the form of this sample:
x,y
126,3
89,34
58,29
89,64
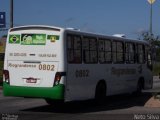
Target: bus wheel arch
x,y
100,91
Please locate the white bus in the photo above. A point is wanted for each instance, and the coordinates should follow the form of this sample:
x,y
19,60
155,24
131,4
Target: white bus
x,y
60,64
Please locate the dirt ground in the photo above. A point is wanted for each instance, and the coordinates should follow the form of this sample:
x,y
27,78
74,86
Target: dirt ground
x,y
153,102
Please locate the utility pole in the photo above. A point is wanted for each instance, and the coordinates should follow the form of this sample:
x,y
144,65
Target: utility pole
x,y
151,4
11,13
151,35
151,32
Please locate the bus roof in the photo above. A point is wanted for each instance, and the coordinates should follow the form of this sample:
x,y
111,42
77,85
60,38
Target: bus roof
x,y
73,30
35,27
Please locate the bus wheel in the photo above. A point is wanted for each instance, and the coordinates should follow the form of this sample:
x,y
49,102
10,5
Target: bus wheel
x,y
54,102
100,94
140,85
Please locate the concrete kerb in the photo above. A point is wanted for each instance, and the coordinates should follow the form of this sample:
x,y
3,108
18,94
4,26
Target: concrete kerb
x,y
157,96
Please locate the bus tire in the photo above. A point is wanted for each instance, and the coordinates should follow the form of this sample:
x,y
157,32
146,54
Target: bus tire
x,y
100,93
54,102
140,87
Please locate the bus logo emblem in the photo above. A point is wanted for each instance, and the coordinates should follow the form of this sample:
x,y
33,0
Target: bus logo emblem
x,y
31,80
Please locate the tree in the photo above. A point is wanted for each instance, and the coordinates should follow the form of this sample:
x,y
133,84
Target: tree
x,y
4,36
2,44
154,42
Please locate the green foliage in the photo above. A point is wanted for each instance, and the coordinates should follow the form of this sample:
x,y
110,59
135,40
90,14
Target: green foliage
x,y
156,69
4,36
154,42
1,72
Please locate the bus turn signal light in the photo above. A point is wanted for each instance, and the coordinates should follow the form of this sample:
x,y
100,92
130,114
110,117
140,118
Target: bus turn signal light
x,y
57,78
6,75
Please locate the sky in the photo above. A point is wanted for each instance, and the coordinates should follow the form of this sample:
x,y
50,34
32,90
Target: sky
x,y
129,17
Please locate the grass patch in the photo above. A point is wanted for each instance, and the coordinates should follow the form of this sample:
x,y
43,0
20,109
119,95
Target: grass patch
x,y
1,72
1,65
1,83
156,69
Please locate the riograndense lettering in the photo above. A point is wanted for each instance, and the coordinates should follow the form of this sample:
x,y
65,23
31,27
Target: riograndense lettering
x,y
21,65
122,71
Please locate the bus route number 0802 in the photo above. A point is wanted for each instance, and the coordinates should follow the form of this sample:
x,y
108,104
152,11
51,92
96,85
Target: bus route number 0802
x,y
46,67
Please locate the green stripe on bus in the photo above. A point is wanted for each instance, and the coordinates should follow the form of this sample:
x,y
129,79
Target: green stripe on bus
x,y
56,92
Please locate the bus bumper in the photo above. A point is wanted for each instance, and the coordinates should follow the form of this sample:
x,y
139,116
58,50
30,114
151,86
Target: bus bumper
x,y
56,92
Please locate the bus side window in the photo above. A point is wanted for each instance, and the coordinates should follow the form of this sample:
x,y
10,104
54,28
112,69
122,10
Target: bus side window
x,y
118,52
70,50
93,50
149,58
114,50
108,51
104,51
74,47
140,54
85,50
90,54
101,51
130,53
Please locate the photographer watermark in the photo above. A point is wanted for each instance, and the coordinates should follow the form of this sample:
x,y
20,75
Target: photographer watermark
x,y
146,117
9,117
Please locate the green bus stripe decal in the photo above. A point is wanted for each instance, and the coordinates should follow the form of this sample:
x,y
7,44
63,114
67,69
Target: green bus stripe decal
x,y
56,92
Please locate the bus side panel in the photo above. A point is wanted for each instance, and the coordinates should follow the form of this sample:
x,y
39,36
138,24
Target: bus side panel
x,y
148,77
80,82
